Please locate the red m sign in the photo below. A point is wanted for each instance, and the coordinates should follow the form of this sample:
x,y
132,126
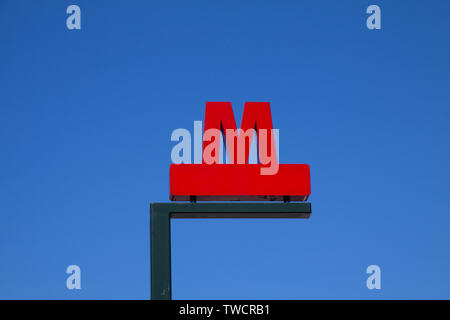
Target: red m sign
x,y
256,118
239,180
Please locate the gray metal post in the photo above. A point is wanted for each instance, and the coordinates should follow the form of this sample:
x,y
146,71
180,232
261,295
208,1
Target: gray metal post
x,y
161,213
161,285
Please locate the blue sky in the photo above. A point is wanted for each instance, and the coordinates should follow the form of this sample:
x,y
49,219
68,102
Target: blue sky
x,y
85,123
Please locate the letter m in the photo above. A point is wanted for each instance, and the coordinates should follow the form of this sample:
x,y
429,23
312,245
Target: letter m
x,y
256,117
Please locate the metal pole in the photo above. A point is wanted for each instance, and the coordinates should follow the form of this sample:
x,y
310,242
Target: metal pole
x,y
161,213
161,283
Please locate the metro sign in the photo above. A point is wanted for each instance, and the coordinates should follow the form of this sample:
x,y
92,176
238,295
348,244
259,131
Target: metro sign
x,y
239,180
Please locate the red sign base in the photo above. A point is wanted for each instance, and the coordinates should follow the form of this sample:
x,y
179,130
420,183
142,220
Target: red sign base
x,y
238,182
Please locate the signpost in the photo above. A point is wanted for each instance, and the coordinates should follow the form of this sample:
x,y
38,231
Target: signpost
x,y
161,213
226,182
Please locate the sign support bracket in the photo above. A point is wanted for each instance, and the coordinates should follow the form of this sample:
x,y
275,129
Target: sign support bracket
x,y
161,213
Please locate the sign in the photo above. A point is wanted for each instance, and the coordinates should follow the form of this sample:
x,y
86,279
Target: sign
x,y
237,180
